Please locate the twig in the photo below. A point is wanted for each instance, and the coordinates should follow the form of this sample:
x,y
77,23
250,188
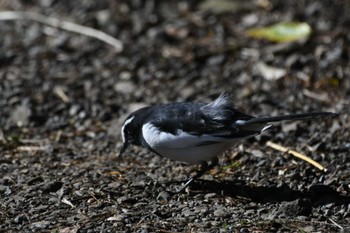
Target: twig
x,y
66,201
65,25
296,154
61,94
313,95
32,148
58,136
336,224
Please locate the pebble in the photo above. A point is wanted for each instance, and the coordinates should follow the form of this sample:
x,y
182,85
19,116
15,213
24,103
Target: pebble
x,y
164,196
220,212
41,224
124,87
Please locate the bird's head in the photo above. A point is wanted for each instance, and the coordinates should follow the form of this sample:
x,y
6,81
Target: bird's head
x,y
131,130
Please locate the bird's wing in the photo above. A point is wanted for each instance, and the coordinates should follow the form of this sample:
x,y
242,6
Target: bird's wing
x,y
182,132
217,117
194,124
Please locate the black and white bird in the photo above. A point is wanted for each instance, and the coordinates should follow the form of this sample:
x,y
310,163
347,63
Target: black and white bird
x,y
196,133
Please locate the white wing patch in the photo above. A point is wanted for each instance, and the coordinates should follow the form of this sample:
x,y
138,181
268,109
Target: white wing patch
x,y
123,127
158,139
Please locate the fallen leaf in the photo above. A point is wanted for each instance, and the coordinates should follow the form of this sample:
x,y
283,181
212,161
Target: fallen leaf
x,y
282,32
113,173
224,6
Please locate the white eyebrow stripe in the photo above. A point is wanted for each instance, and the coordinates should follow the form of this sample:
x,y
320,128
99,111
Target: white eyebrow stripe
x,y
124,125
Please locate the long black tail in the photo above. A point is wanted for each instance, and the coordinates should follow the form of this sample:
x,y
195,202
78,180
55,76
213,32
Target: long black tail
x,y
292,117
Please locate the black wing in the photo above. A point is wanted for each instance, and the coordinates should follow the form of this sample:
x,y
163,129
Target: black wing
x,y
216,119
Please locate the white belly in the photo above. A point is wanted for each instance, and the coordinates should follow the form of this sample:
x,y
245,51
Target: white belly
x,y
195,154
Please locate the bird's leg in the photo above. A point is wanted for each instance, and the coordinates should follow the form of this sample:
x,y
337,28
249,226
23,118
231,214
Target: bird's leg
x,y
204,168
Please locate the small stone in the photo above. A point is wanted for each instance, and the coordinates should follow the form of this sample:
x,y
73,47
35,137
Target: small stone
x,y
41,224
20,116
244,230
52,186
294,208
124,87
220,212
163,196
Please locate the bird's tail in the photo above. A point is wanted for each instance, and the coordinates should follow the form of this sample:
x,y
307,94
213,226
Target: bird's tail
x,y
292,117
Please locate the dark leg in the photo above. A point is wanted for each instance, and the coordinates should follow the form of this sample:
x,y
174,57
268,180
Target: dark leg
x,y
204,168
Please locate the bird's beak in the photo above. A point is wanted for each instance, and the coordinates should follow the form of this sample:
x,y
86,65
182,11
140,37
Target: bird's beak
x,y
123,149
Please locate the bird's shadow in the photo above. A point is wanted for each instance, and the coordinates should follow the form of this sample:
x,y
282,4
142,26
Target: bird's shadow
x,y
318,194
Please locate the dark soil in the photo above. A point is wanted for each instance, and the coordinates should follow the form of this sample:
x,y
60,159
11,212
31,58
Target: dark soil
x,y
63,97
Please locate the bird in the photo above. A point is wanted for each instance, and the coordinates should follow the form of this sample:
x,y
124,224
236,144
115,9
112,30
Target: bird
x,y
195,132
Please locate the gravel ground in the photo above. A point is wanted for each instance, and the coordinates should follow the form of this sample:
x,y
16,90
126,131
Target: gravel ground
x,y
63,97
